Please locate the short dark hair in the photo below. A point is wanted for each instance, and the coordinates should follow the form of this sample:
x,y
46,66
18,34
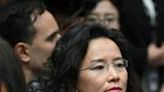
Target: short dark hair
x,y
17,24
71,50
10,69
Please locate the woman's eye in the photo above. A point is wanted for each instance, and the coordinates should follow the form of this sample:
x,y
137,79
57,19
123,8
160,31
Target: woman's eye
x,y
120,65
99,67
110,18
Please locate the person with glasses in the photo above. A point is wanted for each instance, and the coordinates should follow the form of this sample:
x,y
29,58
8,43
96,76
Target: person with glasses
x,y
106,13
92,58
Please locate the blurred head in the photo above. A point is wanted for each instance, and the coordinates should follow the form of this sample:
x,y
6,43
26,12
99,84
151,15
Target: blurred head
x,y
33,32
91,58
11,75
105,13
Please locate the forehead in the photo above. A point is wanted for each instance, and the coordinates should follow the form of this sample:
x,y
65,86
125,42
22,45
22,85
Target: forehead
x,y
103,47
105,6
45,24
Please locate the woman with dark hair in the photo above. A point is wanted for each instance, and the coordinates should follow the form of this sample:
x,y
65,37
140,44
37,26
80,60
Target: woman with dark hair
x,y
11,76
91,58
106,13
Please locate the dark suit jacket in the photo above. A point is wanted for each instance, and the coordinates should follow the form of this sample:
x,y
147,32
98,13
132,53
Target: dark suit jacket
x,y
136,27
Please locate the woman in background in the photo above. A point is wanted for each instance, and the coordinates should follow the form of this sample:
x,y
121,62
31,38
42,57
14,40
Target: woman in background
x,y
105,13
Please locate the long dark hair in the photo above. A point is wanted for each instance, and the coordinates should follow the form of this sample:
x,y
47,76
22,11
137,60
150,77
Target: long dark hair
x,y
71,49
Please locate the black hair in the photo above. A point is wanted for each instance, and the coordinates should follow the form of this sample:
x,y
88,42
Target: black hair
x,y
66,11
11,72
71,49
17,24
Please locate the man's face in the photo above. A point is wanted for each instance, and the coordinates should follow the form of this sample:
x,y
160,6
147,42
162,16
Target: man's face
x,y
43,43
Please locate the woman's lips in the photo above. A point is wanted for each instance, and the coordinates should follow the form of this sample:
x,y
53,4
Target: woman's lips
x,y
114,89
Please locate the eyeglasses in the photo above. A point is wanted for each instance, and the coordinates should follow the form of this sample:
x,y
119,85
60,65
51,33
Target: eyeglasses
x,y
99,67
106,19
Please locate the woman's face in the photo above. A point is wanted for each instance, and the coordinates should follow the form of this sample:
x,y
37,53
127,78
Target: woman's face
x,y
103,68
104,13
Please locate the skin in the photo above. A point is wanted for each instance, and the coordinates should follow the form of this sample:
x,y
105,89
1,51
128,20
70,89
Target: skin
x,y
155,54
106,14
3,87
162,88
106,50
35,55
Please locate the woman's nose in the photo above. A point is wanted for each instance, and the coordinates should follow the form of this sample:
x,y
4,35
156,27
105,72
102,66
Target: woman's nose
x,y
113,75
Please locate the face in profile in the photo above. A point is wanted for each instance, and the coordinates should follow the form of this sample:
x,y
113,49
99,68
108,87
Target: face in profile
x,y
104,13
103,68
44,41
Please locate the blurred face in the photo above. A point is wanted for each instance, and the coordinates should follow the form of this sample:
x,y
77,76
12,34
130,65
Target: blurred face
x,y
43,42
103,68
104,13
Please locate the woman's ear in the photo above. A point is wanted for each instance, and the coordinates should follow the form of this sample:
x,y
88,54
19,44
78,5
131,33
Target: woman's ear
x,y
22,51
